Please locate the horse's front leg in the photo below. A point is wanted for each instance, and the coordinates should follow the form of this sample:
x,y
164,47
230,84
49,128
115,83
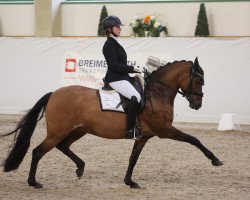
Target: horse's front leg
x,y
138,146
175,134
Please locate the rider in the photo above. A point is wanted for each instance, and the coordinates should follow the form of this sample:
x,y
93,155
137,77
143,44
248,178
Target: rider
x,y
117,75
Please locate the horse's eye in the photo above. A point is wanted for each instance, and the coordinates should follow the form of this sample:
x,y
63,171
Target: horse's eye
x,y
198,82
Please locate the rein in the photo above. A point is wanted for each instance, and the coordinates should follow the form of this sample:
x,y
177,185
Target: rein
x,y
188,92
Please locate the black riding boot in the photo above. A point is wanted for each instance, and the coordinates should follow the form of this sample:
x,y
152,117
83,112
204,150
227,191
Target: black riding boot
x,y
133,132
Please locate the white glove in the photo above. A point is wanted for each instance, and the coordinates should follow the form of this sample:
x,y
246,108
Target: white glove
x,y
138,69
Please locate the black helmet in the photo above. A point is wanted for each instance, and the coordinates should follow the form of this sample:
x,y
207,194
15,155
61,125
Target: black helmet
x,y
110,22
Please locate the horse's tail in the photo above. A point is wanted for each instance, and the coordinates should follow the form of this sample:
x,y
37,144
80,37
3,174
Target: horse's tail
x,y
23,133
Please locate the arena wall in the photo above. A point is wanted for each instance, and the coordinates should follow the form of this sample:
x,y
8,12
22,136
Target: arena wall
x,y
224,18
81,19
31,67
17,20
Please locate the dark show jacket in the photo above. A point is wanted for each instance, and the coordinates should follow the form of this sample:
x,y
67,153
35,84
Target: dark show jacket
x,y
116,58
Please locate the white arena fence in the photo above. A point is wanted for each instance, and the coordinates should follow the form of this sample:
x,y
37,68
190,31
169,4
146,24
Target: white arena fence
x,y
31,67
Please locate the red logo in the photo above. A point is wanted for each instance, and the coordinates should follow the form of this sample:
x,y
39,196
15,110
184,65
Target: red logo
x,y
70,65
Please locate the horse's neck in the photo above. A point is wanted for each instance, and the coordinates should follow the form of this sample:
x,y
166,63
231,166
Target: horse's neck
x,y
170,78
175,73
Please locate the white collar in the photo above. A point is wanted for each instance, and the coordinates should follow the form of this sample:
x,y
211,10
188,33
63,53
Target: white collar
x,y
116,38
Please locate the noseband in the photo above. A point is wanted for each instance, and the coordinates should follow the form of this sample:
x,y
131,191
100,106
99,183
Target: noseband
x,y
188,92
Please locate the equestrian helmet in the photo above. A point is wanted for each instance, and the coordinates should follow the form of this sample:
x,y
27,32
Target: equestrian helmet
x,y
110,22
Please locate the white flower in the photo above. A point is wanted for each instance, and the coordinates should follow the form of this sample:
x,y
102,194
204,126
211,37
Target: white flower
x,y
134,23
157,24
135,17
152,17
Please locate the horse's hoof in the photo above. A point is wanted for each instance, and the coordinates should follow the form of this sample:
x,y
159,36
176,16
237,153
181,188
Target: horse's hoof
x,y
79,173
36,185
135,185
217,163
131,183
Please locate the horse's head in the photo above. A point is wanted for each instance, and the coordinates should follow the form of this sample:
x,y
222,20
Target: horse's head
x,y
192,86
189,78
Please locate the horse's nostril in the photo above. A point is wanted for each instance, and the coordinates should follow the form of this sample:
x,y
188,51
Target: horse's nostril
x,y
199,105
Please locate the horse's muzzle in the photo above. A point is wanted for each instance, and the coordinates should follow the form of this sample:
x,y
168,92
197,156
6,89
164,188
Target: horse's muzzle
x,y
194,105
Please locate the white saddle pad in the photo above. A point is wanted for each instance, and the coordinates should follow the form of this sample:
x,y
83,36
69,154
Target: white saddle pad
x,y
110,100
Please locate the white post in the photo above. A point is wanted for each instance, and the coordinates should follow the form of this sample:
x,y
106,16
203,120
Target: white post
x,y
47,18
227,122
56,17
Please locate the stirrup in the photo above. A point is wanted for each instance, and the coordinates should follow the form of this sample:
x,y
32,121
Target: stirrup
x,y
134,134
137,133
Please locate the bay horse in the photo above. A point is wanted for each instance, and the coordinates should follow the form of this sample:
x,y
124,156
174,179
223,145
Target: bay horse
x,y
73,111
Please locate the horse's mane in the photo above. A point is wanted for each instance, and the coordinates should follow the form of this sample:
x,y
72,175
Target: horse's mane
x,y
164,67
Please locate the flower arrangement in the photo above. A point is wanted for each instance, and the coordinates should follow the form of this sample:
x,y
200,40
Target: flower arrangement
x,y
148,26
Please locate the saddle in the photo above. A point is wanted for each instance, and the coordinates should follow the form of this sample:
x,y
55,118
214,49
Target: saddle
x,y
136,82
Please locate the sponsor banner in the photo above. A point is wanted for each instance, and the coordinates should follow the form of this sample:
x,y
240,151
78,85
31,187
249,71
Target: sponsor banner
x,y
89,69
83,69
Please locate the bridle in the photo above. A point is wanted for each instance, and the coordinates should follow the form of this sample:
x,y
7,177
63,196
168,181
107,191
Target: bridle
x,y
188,92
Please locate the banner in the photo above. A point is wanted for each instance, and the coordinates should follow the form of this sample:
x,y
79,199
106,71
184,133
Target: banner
x,y
89,69
83,69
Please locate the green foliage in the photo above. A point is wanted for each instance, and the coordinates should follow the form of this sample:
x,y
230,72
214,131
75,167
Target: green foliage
x,y
103,15
147,27
202,29
155,32
138,28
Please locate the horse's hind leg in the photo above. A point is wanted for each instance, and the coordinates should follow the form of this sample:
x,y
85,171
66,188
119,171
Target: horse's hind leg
x,y
175,134
37,154
64,145
138,146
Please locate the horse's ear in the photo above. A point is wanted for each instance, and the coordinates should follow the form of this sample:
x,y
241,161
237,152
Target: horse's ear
x,y
196,65
196,62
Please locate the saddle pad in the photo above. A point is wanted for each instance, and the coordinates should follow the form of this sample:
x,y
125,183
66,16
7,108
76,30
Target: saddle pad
x,y
109,101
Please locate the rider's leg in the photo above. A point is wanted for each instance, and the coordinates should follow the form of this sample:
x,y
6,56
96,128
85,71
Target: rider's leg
x,y
132,132
126,89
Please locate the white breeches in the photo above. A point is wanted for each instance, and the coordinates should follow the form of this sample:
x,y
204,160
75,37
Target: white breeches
x,y
126,89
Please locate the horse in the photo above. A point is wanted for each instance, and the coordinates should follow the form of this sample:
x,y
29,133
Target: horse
x,y
73,111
